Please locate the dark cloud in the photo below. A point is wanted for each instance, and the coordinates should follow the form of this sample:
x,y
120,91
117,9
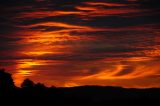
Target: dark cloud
x,y
151,4
118,21
9,39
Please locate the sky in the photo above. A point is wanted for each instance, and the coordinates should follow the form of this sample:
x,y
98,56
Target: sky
x,y
68,43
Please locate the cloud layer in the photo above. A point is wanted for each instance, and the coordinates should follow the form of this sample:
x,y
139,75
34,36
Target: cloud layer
x,y
70,43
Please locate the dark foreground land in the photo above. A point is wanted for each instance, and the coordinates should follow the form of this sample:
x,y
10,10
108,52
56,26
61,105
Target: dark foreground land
x,y
85,95
31,94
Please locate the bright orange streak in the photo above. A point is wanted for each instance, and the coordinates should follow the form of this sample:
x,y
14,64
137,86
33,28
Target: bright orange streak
x,y
70,84
38,53
105,4
41,14
90,11
58,24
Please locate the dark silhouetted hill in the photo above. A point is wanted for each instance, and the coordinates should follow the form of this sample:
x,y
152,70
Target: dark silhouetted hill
x,y
31,94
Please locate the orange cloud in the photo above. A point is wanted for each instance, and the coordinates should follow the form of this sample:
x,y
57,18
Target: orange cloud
x,y
106,4
91,11
82,43
42,14
142,70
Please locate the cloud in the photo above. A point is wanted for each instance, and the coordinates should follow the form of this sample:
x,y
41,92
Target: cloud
x,y
66,42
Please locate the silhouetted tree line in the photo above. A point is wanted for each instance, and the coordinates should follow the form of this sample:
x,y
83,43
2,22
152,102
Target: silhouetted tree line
x,y
31,94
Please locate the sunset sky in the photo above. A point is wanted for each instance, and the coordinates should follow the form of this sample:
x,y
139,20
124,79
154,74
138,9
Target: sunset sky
x,y
81,42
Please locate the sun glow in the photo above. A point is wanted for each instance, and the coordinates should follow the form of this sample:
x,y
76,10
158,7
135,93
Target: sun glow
x,y
24,72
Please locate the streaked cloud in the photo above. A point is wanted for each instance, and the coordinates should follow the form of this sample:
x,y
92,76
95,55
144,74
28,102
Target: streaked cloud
x,y
70,43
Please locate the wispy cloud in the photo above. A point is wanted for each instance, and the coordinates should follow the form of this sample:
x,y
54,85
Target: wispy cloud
x,y
67,43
